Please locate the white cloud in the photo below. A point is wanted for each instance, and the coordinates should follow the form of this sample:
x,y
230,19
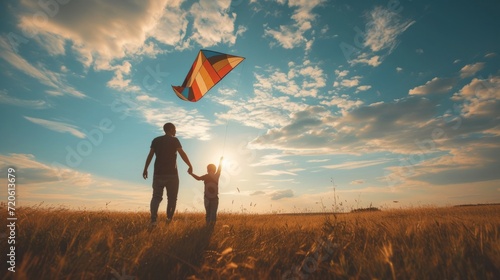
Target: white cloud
x,y
343,102
33,104
119,81
271,105
377,127
272,159
399,69
277,195
356,164
58,126
374,60
103,37
190,124
363,88
436,85
292,36
341,74
56,185
357,182
51,79
213,23
471,69
481,97
276,173
353,82
384,28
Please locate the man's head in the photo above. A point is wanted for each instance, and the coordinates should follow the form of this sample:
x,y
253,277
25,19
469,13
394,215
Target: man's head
x,y
169,129
211,168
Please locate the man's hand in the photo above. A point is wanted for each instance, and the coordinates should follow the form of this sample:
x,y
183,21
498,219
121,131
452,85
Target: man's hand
x,y
145,174
190,170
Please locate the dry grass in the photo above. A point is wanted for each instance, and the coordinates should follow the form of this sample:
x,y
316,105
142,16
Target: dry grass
x,y
432,243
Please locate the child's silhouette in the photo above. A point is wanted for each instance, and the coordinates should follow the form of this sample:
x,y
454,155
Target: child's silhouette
x,y
211,180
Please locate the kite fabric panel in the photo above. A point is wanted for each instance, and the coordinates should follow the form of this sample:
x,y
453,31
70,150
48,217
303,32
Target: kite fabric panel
x,y
207,70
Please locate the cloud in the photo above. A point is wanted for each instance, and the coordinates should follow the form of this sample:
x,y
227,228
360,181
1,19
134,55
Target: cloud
x,y
276,173
272,159
213,23
389,127
292,36
357,182
490,55
317,160
271,104
363,88
55,184
343,102
36,172
103,37
471,69
436,85
281,194
119,81
353,82
374,60
190,124
384,27
481,98
258,193
53,80
33,104
58,126
356,164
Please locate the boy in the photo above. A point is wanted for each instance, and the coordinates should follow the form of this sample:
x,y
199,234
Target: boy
x,y
211,180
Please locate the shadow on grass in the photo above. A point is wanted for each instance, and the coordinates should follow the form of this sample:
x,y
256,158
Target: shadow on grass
x,y
178,258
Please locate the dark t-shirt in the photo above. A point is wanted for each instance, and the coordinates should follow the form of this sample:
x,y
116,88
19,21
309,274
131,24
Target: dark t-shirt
x,y
165,148
211,185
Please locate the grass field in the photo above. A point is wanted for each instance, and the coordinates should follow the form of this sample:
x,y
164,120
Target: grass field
x,y
424,243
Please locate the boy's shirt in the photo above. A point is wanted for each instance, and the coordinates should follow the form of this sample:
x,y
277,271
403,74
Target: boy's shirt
x,y
211,185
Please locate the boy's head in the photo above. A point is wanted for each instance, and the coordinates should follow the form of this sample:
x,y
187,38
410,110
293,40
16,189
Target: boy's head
x,y
211,168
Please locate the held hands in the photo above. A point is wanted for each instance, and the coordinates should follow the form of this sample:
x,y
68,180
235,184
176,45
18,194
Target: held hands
x,y
190,170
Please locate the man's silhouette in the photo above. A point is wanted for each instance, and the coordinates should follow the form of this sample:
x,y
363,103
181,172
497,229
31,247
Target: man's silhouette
x,y
165,170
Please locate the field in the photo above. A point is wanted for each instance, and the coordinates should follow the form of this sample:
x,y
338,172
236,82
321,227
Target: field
x,y
423,243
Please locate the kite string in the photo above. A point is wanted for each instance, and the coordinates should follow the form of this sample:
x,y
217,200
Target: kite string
x,y
225,137
227,119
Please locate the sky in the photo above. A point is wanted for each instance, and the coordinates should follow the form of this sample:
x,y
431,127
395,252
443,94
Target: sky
x,y
338,105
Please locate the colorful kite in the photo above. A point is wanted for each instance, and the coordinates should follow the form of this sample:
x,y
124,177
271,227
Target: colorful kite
x,y
207,70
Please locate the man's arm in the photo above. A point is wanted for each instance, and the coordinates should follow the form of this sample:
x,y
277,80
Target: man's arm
x,y
185,159
148,161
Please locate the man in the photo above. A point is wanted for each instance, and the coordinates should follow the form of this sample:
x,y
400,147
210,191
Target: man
x,y
165,175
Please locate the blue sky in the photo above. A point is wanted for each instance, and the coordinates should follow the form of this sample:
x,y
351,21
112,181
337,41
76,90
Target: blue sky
x,y
375,102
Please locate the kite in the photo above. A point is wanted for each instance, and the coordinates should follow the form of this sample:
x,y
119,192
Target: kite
x,y
207,70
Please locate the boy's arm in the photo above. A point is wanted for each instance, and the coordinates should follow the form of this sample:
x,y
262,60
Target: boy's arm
x,y
196,176
219,169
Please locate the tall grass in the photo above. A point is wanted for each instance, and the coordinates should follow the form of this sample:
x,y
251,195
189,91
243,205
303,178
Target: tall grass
x,y
431,243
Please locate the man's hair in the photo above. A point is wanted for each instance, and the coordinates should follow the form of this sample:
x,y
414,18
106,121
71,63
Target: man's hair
x,y
168,126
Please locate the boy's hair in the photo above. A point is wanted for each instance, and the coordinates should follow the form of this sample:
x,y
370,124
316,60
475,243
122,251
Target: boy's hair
x,y
211,167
